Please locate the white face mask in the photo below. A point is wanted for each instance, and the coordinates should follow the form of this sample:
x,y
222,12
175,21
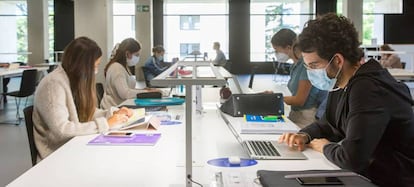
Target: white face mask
x,y
319,78
133,61
282,57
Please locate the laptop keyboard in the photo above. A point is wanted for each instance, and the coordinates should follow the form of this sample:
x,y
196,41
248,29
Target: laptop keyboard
x,y
263,148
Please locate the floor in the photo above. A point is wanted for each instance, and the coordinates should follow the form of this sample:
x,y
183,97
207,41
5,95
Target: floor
x,y
14,146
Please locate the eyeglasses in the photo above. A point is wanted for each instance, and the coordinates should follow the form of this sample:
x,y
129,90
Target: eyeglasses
x,y
316,65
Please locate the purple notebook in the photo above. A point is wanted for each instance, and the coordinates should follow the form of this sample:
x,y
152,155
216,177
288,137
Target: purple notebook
x,y
137,139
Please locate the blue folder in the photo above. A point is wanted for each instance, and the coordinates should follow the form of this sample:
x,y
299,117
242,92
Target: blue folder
x,y
159,102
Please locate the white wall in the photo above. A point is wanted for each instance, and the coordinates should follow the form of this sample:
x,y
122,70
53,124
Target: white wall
x,y
93,18
143,33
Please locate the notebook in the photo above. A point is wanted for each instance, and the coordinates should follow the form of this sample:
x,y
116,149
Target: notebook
x,y
136,139
267,124
264,149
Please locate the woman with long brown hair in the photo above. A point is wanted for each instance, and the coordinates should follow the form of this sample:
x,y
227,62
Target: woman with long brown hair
x,y
119,82
65,103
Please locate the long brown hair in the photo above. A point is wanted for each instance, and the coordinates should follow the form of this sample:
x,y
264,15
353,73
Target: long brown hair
x,y
119,53
78,61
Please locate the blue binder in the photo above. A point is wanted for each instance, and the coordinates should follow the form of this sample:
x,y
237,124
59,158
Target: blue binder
x,y
159,102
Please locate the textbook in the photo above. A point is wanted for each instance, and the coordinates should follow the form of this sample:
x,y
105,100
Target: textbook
x,y
270,124
136,139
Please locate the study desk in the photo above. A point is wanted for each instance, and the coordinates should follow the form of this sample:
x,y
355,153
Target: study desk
x,y
79,164
401,74
4,72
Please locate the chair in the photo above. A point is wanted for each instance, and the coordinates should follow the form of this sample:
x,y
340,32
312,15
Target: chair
x,y
28,111
99,92
27,88
403,65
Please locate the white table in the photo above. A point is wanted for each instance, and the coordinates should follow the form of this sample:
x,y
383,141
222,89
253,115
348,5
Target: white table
x,y
401,74
77,164
4,72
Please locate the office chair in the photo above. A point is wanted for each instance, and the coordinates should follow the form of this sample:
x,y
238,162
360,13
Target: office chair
x,y
99,92
403,65
27,88
28,112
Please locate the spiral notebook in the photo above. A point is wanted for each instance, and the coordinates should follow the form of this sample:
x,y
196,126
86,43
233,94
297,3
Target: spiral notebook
x,y
137,139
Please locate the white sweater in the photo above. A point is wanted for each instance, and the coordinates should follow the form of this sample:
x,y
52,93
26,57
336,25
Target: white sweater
x,y
55,117
119,86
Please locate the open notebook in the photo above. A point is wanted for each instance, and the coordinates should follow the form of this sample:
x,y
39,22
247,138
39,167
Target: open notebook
x,y
139,121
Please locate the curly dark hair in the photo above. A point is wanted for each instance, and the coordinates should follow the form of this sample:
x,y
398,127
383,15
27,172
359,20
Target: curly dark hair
x,y
330,34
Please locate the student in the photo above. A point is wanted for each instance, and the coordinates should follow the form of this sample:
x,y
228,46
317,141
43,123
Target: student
x,y
65,100
389,60
220,59
119,82
305,98
155,64
368,126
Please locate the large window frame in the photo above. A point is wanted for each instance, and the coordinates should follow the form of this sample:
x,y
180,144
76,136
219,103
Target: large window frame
x,y
268,16
203,22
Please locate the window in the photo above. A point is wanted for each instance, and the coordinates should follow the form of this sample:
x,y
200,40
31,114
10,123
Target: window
x,y
191,25
123,20
190,22
13,16
188,48
269,16
373,18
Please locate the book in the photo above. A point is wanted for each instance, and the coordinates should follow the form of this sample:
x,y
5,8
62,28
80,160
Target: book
x,y
138,117
261,118
136,139
257,124
159,102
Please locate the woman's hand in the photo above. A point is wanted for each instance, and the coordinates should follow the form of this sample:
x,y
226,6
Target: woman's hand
x,y
124,110
294,140
318,144
117,119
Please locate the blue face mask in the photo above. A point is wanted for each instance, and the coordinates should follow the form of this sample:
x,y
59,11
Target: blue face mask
x,y
319,78
160,58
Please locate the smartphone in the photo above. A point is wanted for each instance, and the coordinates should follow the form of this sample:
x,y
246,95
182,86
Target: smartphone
x,y
319,181
119,134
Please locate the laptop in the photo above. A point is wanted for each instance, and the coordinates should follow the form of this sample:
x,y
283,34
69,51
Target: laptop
x,y
265,149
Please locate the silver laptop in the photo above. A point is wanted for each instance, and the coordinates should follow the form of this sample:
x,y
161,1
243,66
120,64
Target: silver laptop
x,y
265,149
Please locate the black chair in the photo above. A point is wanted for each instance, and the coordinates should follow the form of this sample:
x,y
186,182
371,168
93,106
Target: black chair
x,y
99,92
27,88
28,112
403,65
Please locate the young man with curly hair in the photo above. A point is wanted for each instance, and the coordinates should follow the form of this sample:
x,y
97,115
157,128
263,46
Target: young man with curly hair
x,y
368,125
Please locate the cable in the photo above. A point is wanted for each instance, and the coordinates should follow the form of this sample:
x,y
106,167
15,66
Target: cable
x,y
191,180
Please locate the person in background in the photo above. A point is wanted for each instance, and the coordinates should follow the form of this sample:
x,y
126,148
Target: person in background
x,y
119,82
220,59
368,126
155,64
305,98
389,60
65,102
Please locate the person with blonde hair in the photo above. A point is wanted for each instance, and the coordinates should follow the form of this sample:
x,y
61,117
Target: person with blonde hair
x,y
65,103
119,82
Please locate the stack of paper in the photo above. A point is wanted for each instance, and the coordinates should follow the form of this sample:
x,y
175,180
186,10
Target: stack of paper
x,y
256,124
